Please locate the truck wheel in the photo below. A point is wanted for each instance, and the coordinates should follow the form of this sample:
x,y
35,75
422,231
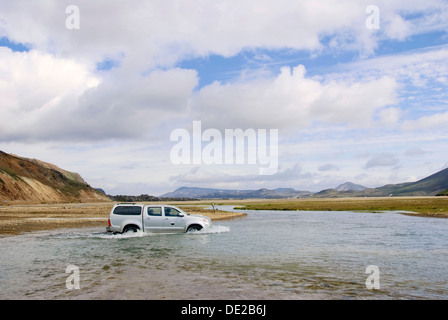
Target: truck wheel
x,y
194,228
130,229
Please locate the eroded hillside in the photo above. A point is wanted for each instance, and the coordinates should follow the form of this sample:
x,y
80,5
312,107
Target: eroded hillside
x,y
32,181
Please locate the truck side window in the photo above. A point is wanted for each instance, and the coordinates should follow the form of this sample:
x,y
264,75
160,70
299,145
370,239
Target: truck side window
x,y
171,212
157,211
128,210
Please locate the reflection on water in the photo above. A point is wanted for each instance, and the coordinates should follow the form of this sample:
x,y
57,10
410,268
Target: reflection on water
x,y
267,255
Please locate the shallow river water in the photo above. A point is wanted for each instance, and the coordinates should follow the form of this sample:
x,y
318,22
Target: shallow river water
x,y
267,255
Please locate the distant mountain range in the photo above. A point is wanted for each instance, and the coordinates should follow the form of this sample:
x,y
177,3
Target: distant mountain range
x,y
436,184
433,185
24,180
209,193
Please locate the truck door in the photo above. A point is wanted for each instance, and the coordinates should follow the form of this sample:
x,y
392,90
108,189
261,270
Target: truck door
x,y
174,221
153,219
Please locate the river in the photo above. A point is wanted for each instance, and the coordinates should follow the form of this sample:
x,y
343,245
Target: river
x,y
266,255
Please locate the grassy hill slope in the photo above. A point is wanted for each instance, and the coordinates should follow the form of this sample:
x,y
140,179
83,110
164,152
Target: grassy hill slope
x,y
432,185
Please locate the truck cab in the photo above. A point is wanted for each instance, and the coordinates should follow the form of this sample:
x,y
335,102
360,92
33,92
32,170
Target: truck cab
x,y
154,218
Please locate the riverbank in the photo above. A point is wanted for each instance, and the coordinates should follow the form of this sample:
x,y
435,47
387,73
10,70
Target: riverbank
x,y
435,207
19,219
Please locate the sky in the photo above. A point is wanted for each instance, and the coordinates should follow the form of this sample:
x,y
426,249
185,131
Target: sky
x,y
352,90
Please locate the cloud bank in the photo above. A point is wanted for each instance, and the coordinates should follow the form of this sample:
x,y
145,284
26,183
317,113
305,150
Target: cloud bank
x,y
119,83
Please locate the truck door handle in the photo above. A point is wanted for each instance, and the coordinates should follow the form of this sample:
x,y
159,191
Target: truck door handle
x,y
172,223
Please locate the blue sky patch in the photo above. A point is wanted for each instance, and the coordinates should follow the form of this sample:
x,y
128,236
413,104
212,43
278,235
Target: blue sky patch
x,y
14,46
107,65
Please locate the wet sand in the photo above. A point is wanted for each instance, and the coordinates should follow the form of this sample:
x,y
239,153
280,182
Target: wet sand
x,y
19,219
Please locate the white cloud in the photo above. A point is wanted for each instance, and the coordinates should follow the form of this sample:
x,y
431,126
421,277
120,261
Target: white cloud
x,y
54,92
415,152
29,80
165,31
420,87
206,176
328,167
291,99
433,122
416,64
145,34
389,116
152,33
33,85
45,97
382,160
398,28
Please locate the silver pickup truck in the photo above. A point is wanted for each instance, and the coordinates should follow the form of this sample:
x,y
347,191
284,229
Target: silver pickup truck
x,y
131,217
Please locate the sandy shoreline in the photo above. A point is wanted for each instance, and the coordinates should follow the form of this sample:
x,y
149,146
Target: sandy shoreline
x,y
19,219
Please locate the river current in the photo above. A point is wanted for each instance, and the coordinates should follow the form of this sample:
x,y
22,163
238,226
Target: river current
x,y
266,255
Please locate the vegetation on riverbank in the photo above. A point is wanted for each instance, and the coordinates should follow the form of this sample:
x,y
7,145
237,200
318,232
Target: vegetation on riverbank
x,y
416,206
